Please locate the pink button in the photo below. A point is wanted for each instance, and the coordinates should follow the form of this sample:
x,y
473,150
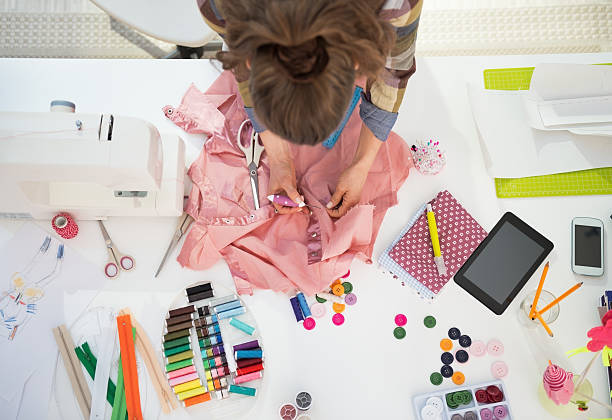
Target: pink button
x,y
309,323
499,369
478,348
486,414
338,319
495,347
500,412
318,310
400,320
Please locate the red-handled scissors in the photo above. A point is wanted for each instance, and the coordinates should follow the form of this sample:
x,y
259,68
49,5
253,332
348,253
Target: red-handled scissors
x,y
117,261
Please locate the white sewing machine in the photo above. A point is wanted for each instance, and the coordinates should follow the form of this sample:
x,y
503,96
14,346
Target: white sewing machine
x,y
90,165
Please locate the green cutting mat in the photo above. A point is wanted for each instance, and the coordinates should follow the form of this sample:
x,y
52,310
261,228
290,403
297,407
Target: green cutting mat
x,y
589,182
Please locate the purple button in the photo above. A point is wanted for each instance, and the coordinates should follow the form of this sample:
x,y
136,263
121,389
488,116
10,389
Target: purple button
x,y
350,299
500,412
486,414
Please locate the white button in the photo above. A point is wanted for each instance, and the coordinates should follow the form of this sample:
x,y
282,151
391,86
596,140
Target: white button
x,y
314,234
313,254
436,403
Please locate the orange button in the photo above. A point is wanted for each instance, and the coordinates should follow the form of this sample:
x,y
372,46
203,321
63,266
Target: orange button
x,y
446,344
458,378
338,290
338,307
337,281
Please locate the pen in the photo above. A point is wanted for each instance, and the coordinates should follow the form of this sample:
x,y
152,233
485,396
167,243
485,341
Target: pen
x,y
433,232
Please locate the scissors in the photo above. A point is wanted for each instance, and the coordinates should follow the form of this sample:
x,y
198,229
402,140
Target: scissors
x,y
252,153
181,228
116,261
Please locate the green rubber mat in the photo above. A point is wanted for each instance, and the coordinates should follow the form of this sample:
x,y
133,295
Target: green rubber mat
x,y
588,182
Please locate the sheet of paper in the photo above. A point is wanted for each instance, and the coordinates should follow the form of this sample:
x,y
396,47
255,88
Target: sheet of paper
x,y
38,291
514,149
552,81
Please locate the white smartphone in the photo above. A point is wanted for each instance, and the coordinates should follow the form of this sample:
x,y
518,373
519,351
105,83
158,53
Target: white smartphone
x,y
587,246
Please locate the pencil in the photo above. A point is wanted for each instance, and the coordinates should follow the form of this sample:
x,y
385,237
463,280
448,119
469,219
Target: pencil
x,y
539,290
544,324
560,298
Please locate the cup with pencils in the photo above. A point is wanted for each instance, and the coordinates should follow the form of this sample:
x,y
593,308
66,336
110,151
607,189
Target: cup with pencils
x,y
541,307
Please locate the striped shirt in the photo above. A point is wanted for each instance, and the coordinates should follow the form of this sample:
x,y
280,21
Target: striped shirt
x,y
382,96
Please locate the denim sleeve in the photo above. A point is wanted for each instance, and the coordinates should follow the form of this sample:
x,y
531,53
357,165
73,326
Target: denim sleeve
x,y
256,124
379,121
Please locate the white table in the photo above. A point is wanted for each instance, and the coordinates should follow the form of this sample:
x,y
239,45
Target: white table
x,y
359,370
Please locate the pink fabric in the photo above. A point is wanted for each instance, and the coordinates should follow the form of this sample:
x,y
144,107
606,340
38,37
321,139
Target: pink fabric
x,y
600,337
263,249
459,235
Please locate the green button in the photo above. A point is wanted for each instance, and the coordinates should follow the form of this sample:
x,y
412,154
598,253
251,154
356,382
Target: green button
x,y
429,321
348,287
468,397
399,333
320,299
436,378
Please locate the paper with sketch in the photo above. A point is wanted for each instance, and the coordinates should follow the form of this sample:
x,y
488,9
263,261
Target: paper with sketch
x,y
514,149
43,283
573,97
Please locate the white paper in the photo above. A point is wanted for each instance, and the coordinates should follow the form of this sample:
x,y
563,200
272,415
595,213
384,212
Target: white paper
x,y
36,295
514,149
552,81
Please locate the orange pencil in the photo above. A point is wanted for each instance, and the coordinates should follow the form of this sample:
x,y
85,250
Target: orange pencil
x,y
539,290
544,324
560,298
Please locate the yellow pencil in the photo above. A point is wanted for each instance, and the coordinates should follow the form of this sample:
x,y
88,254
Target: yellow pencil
x,y
544,324
560,298
538,291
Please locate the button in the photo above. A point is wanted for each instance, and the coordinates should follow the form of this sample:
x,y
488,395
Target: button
x,y
461,356
400,320
478,348
337,281
450,401
436,378
350,299
338,307
446,344
429,321
470,415
454,333
429,413
338,319
313,253
457,417
338,290
458,379
447,358
465,341
458,398
320,299
446,371
436,403
348,287
486,414
318,310
309,323
500,412
492,390
313,234
499,369
481,396
495,347
399,333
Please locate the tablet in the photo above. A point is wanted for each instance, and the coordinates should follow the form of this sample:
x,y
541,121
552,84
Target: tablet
x,y
503,262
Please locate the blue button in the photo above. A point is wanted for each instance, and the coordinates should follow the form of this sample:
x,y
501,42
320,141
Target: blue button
x,y
465,341
454,333
447,358
462,356
446,371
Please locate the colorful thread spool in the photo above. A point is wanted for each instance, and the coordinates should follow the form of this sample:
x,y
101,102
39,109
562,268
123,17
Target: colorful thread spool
x,y
65,226
297,311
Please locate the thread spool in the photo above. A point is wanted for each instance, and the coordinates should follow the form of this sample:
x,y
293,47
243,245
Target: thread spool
x,y
65,226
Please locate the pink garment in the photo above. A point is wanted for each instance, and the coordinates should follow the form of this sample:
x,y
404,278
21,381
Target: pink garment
x,y
267,250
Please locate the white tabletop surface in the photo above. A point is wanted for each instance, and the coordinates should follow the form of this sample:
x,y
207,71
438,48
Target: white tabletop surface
x,y
358,370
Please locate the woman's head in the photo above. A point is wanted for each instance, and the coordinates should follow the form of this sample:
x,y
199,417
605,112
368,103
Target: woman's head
x,y
303,56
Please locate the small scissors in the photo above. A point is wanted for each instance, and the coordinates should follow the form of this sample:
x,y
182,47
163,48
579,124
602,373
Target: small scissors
x,y
252,153
116,261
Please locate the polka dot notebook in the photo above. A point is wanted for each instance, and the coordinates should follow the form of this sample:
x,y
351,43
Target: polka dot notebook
x,y
410,257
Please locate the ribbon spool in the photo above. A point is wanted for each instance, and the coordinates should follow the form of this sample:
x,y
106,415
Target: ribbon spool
x,y
65,226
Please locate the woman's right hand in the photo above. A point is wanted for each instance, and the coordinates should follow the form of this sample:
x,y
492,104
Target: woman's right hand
x,y
282,171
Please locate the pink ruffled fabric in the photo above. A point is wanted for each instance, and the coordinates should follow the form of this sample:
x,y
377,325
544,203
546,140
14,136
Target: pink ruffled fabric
x,y
267,250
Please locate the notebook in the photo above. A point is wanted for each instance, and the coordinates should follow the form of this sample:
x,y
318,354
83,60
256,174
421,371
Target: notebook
x,y
410,256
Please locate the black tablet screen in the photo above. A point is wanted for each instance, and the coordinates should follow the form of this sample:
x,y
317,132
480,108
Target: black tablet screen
x,y
503,262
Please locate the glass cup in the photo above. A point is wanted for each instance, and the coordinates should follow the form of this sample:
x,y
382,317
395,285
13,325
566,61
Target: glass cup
x,y
549,316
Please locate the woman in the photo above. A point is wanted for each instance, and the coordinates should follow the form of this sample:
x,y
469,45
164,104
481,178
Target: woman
x,y
296,62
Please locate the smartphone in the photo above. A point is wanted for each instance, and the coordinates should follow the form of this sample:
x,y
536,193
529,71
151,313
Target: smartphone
x,y
587,246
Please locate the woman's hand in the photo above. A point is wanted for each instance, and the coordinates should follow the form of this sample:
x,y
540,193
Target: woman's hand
x,y
282,171
352,179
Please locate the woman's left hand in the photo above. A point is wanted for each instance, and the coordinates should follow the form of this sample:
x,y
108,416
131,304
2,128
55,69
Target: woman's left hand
x,y
348,190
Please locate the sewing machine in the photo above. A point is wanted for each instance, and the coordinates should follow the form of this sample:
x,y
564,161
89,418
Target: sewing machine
x,y
90,165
